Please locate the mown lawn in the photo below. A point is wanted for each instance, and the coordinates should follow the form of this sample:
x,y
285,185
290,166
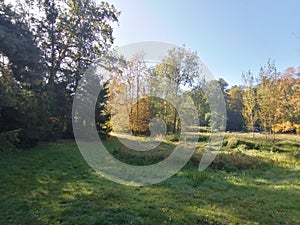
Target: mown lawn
x,y
250,182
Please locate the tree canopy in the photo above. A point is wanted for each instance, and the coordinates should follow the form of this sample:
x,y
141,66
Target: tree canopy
x,y
45,47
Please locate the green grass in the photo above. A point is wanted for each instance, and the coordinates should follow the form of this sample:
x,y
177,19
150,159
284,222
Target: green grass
x,y
246,184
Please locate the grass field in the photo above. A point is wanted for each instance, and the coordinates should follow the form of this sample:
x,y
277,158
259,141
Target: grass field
x,y
252,181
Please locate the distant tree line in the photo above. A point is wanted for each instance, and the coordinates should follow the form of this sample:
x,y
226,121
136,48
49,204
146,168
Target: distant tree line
x,y
269,102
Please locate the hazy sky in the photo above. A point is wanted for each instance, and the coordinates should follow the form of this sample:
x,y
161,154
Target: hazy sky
x,y
229,36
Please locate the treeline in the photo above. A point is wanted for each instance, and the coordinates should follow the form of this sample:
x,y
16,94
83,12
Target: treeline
x,y
45,47
271,100
268,102
145,91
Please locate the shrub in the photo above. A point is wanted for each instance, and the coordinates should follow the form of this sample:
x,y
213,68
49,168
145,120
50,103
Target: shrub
x,y
286,127
229,161
9,139
235,161
203,138
247,144
225,142
297,127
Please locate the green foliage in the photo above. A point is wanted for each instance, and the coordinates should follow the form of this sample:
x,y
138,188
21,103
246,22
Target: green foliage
x,y
23,109
234,103
72,35
201,104
215,91
22,103
132,157
236,142
203,138
102,114
9,140
165,110
18,45
42,60
181,66
235,161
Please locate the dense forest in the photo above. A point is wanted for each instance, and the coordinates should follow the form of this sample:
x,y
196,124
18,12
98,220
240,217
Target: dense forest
x,y
46,46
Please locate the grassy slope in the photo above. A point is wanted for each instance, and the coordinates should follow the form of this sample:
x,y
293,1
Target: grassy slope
x,y
52,184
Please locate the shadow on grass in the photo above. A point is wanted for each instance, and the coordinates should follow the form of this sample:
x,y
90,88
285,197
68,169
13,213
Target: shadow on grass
x,y
52,184
139,158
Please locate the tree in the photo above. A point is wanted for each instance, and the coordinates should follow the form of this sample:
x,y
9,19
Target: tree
x,y
289,89
268,96
18,49
234,102
128,90
272,103
71,35
215,93
249,111
288,111
102,113
223,85
181,67
23,106
139,117
43,56
201,104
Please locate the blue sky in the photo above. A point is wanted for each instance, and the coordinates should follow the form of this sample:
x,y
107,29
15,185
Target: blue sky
x,y
229,36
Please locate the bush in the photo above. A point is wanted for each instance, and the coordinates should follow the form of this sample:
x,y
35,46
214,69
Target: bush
x,y
229,160
234,161
225,142
9,139
203,138
297,127
247,144
286,127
